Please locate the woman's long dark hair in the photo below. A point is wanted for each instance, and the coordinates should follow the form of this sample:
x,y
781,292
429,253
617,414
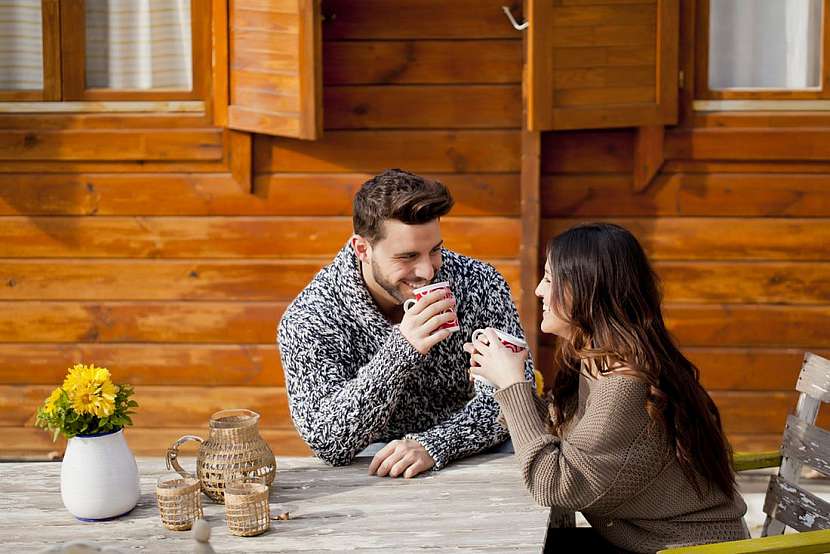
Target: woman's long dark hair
x,y
603,286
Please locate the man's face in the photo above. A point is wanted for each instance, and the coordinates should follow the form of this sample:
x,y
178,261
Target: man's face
x,y
406,258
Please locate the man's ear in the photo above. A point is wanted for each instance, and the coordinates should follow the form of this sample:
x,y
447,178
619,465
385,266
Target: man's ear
x,y
361,248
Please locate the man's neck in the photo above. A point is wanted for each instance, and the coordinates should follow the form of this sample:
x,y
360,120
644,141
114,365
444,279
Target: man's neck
x,y
391,310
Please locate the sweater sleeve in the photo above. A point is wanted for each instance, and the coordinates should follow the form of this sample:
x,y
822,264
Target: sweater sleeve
x,y
581,471
475,427
338,410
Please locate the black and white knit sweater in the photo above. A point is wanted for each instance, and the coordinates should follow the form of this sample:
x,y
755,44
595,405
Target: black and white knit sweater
x,y
353,379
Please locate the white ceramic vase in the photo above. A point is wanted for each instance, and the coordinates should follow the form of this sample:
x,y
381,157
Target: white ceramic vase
x,y
99,477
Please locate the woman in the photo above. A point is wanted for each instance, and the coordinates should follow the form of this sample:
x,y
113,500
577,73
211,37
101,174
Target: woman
x,y
632,440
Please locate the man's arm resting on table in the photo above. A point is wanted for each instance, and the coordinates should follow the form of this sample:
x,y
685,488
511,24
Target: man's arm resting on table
x,y
338,415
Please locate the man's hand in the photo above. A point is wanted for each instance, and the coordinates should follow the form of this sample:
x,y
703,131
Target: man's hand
x,y
401,457
420,324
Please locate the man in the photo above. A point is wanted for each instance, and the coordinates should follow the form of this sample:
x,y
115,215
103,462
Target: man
x,y
359,369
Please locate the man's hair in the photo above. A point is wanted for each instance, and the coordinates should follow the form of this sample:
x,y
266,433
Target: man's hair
x,y
400,195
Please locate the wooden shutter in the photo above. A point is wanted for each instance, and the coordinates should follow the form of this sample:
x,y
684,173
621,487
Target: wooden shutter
x,y
274,67
601,63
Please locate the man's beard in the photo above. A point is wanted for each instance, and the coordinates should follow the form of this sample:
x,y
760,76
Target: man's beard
x,y
387,285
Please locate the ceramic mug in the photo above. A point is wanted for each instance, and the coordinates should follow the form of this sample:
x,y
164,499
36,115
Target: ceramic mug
x,y
509,341
513,343
419,293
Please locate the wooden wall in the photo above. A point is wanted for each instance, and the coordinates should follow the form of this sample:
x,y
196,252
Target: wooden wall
x,y
136,249
126,242
740,244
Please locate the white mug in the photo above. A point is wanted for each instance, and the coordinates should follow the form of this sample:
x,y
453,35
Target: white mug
x,y
513,343
420,292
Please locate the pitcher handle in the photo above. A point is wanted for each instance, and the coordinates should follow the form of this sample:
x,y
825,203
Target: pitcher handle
x,y
173,454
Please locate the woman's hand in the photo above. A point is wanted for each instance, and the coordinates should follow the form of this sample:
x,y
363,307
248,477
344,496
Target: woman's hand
x,y
490,359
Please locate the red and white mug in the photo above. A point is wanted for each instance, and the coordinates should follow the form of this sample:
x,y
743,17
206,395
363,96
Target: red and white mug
x,y
420,292
509,341
513,343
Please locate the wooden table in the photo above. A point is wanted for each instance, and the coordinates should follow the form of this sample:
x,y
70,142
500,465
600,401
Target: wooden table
x,y
475,505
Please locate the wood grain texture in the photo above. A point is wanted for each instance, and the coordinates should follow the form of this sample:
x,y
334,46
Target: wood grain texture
x,y
183,194
748,144
423,107
168,145
329,508
731,368
746,282
186,280
193,405
687,194
225,237
721,238
741,412
745,325
807,443
749,325
30,442
415,19
472,151
594,93
414,62
225,322
648,155
609,151
159,363
795,506
274,74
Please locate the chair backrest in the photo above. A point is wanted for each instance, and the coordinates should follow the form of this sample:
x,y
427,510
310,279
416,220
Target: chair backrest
x,y
786,503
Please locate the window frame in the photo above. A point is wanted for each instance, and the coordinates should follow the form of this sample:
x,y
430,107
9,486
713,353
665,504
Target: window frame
x,y
702,56
50,18
64,76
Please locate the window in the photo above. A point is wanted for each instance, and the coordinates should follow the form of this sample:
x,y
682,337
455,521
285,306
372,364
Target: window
x,y
78,50
762,50
21,49
248,65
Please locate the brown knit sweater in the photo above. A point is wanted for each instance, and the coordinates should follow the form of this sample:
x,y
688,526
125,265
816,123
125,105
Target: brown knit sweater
x,y
616,469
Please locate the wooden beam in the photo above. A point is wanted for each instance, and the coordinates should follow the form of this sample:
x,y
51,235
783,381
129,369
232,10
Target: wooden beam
x,y
242,161
534,111
529,247
219,63
648,155
51,50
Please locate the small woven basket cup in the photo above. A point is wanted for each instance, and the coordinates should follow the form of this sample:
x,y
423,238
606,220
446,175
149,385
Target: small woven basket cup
x,y
246,506
180,501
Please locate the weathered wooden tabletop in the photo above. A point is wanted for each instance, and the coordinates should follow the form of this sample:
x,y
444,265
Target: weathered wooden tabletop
x,y
475,505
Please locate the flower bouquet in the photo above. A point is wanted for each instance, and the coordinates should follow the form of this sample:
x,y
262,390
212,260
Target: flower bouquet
x,y
99,476
87,403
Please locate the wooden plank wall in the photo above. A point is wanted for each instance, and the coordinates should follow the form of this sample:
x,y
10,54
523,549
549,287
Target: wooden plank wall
x,y
741,246
174,277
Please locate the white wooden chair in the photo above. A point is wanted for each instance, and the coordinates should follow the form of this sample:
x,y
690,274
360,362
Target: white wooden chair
x,y
787,503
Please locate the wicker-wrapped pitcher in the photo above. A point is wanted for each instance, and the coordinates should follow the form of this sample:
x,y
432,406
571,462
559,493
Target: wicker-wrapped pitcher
x,y
234,449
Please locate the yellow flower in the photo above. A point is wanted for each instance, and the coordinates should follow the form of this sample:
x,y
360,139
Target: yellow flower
x,y
90,398
107,405
51,402
80,375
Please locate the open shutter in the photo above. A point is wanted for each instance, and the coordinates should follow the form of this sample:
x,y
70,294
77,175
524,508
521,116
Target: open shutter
x,y
274,67
601,63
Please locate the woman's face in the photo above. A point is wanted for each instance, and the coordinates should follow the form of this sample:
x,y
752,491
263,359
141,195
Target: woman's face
x,y
551,323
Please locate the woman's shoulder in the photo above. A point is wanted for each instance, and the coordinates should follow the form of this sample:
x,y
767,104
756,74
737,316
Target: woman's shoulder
x,y
618,397
621,381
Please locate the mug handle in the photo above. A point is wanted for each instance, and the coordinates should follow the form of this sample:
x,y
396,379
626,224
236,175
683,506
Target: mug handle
x,y
407,305
173,454
476,334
